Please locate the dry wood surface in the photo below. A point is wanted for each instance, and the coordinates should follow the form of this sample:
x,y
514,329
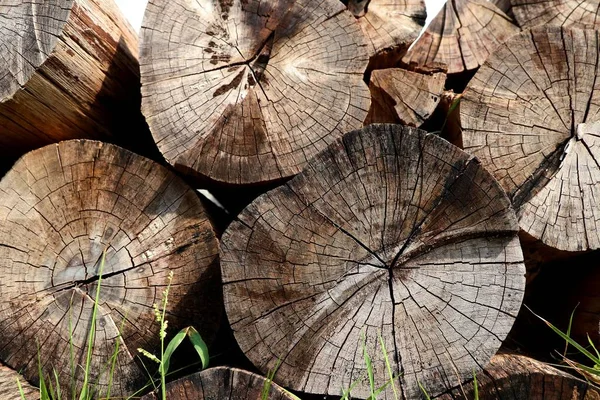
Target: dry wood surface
x,y
390,231
61,207
9,389
531,114
580,14
248,91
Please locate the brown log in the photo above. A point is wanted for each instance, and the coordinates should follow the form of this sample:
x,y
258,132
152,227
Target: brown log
x,y
532,116
222,383
401,96
578,14
9,390
389,25
390,231
248,91
68,70
462,36
63,205
516,377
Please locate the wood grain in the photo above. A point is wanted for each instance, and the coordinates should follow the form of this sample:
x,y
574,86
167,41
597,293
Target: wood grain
x,y
248,91
578,14
532,115
390,231
61,207
9,389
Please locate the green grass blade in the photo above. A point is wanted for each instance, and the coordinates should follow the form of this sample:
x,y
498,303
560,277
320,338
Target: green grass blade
x,y
267,385
21,393
369,366
569,330
172,346
199,346
423,390
475,387
44,395
388,366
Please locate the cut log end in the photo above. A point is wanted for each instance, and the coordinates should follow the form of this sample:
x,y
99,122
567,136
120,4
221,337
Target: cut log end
x,y
9,390
269,87
569,13
535,127
65,206
223,383
390,237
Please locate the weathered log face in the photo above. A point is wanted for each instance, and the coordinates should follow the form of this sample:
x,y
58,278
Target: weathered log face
x,y
515,377
68,70
248,91
578,14
61,207
532,115
222,383
9,389
462,36
401,96
389,25
390,231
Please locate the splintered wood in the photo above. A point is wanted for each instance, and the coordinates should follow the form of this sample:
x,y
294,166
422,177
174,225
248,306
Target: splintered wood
x,y
68,69
390,238
462,36
578,14
389,24
223,383
531,114
515,377
61,208
405,97
247,91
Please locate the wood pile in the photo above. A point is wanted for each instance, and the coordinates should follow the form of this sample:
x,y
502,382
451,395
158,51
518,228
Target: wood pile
x,y
379,201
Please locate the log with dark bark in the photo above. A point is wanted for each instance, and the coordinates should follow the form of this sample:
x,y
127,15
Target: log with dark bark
x,y
248,91
390,26
568,13
68,70
401,96
390,232
9,390
462,36
61,207
532,116
516,377
222,383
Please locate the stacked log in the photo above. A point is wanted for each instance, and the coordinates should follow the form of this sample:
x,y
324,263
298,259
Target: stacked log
x,y
9,389
579,14
391,236
531,116
67,207
245,92
223,383
68,70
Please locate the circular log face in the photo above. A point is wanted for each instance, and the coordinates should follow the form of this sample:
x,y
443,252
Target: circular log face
x,y
392,233
248,91
222,383
28,33
462,36
388,24
61,207
532,115
581,14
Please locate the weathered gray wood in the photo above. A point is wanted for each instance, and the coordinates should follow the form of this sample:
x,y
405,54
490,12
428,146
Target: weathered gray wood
x,y
516,377
60,207
389,25
401,96
532,115
391,232
222,383
9,390
248,91
579,14
462,36
68,69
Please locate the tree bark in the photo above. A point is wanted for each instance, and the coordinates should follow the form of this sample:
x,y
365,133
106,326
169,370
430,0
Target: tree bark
x,y
389,25
390,231
68,70
62,207
532,115
516,377
578,14
245,92
9,389
222,383
405,97
462,36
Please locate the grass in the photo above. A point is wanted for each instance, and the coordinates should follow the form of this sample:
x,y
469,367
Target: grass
x,y
50,389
